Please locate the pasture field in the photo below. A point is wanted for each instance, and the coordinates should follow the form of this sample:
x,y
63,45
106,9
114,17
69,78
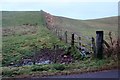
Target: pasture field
x,y
16,46
24,32
89,27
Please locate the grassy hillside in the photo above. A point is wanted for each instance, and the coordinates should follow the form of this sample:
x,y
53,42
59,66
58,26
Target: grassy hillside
x,y
19,39
107,24
107,20
85,27
17,18
89,27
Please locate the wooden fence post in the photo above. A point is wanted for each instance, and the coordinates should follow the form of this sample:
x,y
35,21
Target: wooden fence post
x,y
56,32
60,34
93,46
99,44
79,43
34,56
110,36
66,36
72,40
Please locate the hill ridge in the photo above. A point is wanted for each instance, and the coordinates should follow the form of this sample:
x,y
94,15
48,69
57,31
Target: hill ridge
x,y
18,18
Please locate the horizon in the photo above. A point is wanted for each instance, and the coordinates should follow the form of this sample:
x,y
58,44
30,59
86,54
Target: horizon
x,y
73,9
64,16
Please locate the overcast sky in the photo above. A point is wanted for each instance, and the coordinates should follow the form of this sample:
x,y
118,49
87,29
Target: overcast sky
x,y
77,9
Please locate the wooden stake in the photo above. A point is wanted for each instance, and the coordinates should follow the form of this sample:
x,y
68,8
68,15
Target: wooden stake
x,y
99,44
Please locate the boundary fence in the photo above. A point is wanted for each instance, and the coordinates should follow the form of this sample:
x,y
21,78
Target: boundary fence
x,y
75,38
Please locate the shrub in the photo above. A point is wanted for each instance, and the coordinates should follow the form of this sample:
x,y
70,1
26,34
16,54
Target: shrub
x,y
112,47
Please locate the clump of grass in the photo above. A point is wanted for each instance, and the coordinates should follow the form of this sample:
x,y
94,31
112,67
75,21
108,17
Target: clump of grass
x,y
60,67
13,71
40,68
7,72
112,47
72,50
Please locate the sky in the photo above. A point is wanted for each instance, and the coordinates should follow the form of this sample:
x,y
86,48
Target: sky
x,y
76,9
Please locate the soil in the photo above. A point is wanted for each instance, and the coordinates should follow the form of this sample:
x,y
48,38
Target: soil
x,y
47,56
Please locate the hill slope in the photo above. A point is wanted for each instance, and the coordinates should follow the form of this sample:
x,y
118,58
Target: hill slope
x,y
86,27
89,27
17,18
19,39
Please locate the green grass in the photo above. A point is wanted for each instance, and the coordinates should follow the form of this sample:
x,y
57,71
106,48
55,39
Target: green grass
x,y
15,47
89,27
56,69
20,39
16,18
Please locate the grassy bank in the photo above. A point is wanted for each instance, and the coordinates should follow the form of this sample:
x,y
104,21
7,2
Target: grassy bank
x,y
19,41
60,69
18,18
16,46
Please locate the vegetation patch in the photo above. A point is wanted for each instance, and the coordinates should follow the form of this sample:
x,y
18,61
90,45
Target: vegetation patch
x,y
87,65
40,68
60,67
24,35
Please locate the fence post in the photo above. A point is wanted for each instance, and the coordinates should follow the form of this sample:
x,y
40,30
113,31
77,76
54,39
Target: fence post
x,y
99,44
93,46
79,43
72,40
60,34
110,36
56,32
34,56
66,36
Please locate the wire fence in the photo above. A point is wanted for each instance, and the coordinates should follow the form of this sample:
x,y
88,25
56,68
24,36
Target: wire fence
x,y
65,35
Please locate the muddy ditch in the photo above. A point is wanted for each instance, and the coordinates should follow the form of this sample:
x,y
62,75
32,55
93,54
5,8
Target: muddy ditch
x,y
46,56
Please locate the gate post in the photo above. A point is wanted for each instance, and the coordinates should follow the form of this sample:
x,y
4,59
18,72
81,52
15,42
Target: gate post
x,y
99,44
93,47
72,40
66,36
